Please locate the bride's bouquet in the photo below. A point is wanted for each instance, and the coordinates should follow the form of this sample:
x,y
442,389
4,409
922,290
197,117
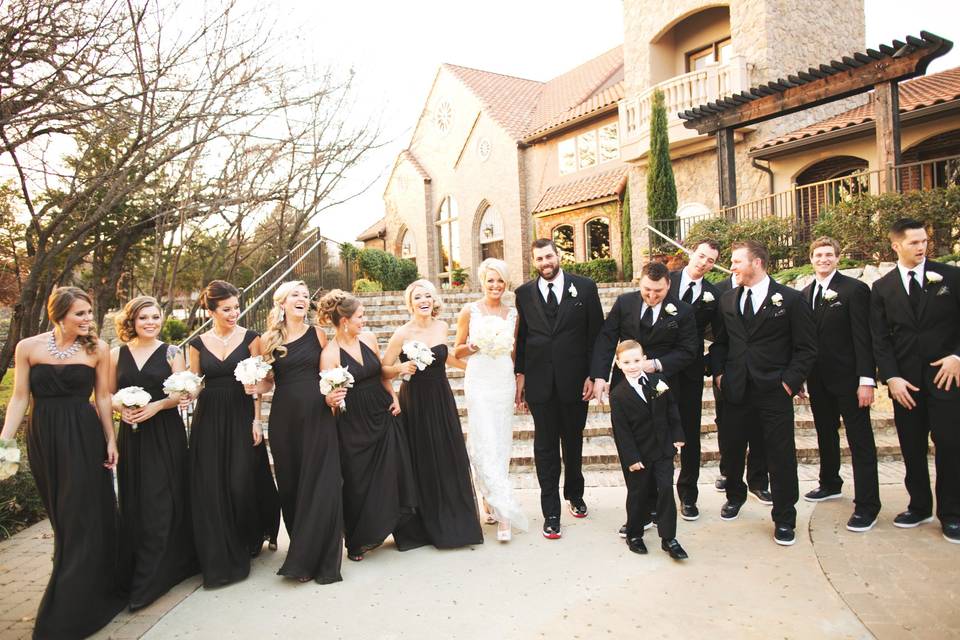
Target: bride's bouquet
x,y
133,398
252,370
9,458
183,383
336,378
493,338
419,354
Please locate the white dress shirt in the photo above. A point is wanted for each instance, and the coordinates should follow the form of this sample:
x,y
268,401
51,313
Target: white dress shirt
x,y
685,281
758,292
557,286
905,279
637,383
823,284
656,310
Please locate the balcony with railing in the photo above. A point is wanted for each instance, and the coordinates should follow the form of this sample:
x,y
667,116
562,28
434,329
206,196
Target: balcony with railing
x,y
680,93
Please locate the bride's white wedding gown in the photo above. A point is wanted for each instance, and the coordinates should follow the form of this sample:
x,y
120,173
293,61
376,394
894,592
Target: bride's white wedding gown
x,y
489,388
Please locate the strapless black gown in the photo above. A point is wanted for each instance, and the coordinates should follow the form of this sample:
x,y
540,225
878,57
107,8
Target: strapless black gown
x,y
448,506
379,490
66,449
306,458
232,495
154,488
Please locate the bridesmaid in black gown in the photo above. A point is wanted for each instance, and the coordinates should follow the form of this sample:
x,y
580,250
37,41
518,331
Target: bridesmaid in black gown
x,y
152,472
303,440
448,506
232,496
379,490
71,448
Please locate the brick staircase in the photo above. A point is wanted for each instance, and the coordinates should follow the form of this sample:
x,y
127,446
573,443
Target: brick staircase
x,y
386,311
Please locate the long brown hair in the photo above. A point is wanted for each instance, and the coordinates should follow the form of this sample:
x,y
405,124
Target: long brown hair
x,y
58,306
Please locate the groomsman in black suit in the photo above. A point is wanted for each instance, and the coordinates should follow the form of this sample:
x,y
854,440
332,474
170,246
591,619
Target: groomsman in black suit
x,y
841,382
765,347
915,321
559,315
691,287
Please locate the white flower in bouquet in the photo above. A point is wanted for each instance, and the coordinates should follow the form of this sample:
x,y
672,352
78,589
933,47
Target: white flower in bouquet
x,y
9,458
251,370
336,378
133,398
183,382
419,354
493,337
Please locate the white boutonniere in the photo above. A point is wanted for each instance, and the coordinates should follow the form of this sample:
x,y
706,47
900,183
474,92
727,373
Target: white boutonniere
x,y
707,296
670,309
776,299
572,290
661,388
933,276
829,294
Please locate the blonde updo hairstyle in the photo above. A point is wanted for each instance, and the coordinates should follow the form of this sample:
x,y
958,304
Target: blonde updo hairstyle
x,y
337,305
494,264
125,321
271,342
58,306
428,286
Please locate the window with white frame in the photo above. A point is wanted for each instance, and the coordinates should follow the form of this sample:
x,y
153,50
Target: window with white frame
x,y
491,235
589,148
449,231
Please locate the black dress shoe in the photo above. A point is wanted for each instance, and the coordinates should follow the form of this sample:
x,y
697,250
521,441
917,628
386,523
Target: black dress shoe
x,y
578,508
636,545
820,494
623,531
951,532
674,549
689,512
784,535
910,519
730,510
861,522
764,496
551,527
720,484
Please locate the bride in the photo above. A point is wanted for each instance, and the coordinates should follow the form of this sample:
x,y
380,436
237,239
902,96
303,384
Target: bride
x,y
486,334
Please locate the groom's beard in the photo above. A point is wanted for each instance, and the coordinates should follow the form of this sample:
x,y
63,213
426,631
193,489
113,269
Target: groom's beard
x,y
553,273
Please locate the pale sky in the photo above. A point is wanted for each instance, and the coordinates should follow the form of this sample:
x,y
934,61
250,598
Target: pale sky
x,y
396,47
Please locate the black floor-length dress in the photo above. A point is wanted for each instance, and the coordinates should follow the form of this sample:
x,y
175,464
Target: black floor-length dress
x,y
379,490
232,495
152,477
448,506
306,458
66,449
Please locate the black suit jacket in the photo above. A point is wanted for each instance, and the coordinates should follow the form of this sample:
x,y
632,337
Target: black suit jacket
x,y
780,347
904,344
672,339
844,344
560,354
644,431
705,314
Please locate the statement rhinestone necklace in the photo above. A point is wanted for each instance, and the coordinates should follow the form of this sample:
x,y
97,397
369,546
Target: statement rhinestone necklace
x,y
56,352
225,340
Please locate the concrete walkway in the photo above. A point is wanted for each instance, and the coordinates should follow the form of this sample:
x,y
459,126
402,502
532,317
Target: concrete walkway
x,y
887,583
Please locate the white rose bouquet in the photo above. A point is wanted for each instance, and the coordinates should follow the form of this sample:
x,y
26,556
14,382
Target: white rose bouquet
x,y
9,458
493,338
336,378
133,398
183,382
252,370
419,354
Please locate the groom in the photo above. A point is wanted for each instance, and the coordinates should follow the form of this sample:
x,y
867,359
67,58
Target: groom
x,y
559,318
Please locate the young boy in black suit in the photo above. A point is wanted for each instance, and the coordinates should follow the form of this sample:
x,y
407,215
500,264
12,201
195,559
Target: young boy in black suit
x,y
646,427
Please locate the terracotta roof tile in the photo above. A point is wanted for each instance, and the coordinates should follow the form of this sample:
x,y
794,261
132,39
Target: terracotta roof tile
x,y
570,192
507,99
373,231
914,94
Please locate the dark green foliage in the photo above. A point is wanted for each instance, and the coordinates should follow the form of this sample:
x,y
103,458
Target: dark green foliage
x,y
789,275
174,331
599,270
626,237
391,272
362,285
774,233
661,187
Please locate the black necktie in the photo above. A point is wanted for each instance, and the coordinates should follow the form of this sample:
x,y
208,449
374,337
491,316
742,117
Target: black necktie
x,y
688,294
648,316
748,309
916,291
818,297
552,303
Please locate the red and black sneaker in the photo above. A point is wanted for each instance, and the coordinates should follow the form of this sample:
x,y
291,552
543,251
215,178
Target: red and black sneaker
x,y
551,528
578,508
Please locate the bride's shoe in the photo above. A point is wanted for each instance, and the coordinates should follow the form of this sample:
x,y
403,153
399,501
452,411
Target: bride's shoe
x,y
503,531
488,516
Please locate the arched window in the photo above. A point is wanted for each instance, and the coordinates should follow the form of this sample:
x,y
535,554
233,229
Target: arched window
x,y
491,235
563,238
408,245
598,238
449,245
826,183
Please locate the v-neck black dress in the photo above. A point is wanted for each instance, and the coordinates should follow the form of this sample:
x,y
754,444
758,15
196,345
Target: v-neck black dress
x,y
154,488
379,488
232,495
66,450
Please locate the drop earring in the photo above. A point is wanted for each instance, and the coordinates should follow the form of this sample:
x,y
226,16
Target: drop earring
x,y
282,314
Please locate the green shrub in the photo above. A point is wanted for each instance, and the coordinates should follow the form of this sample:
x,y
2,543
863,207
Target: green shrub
x,y
599,270
776,234
459,277
362,285
391,272
174,330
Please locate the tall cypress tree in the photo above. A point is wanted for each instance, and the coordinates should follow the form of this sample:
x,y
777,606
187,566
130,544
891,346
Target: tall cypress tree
x,y
626,238
661,187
